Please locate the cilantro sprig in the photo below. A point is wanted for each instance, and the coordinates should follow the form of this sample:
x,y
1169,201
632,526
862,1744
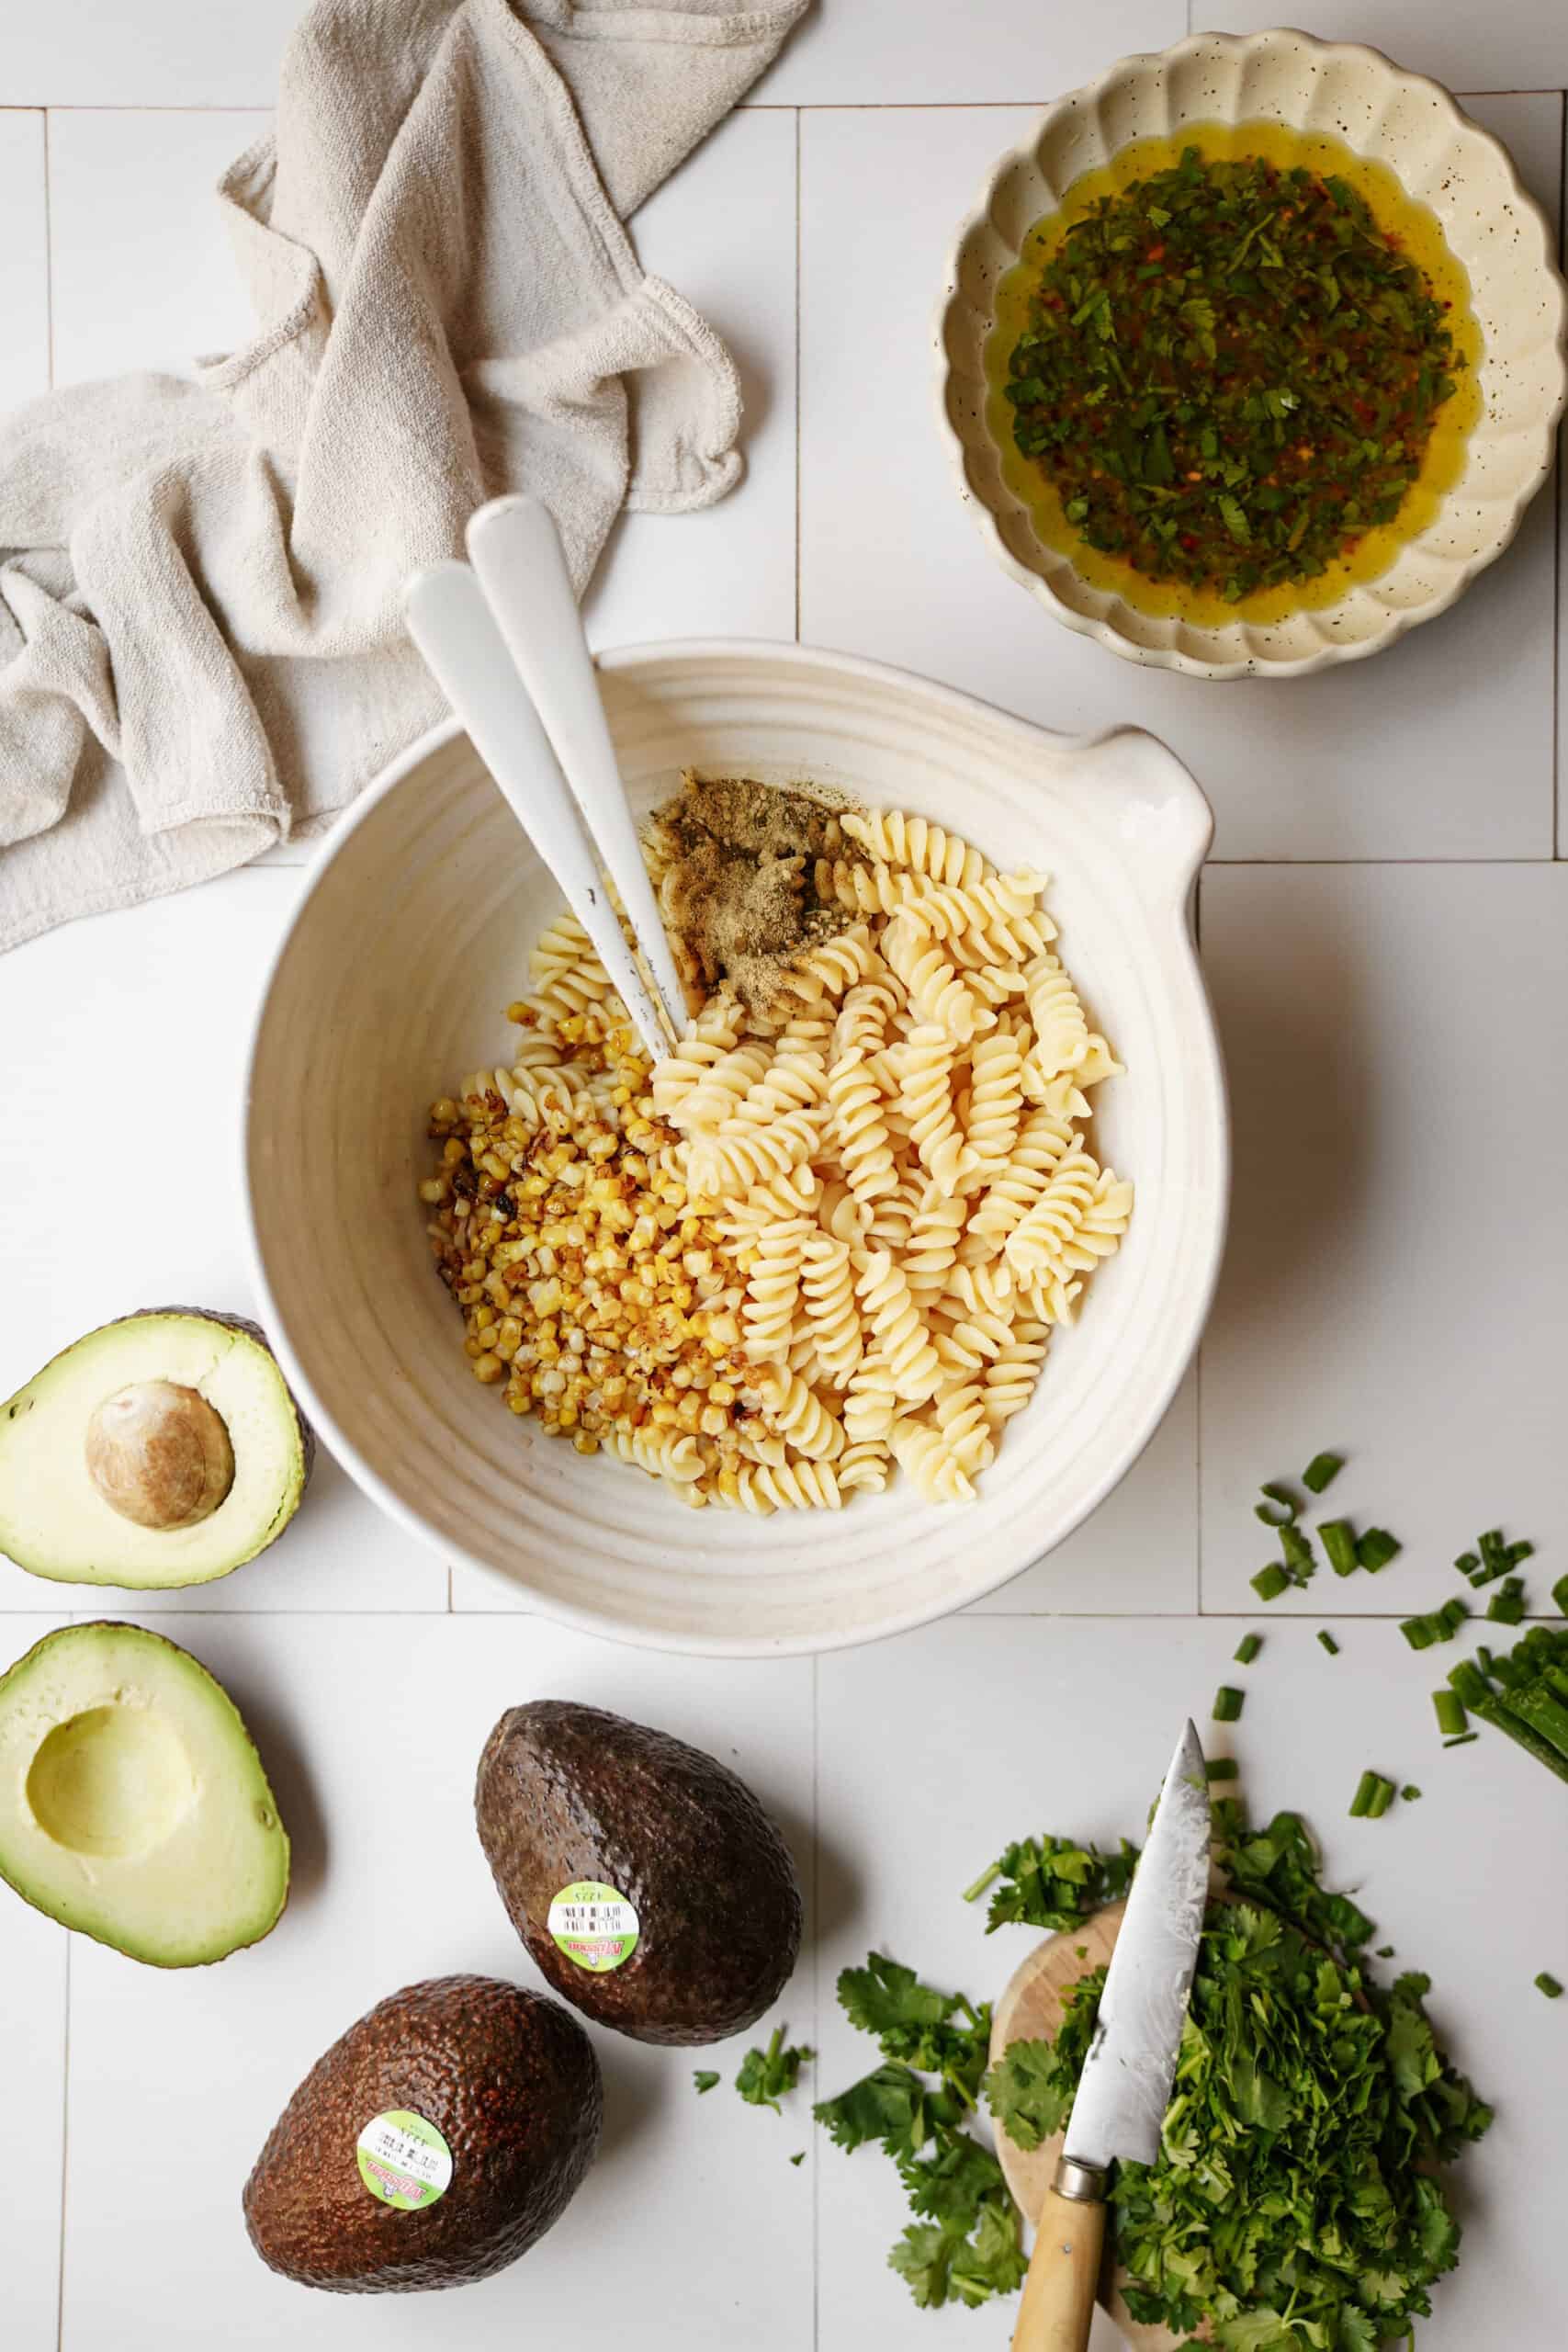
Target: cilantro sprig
x,y
965,2245
768,2076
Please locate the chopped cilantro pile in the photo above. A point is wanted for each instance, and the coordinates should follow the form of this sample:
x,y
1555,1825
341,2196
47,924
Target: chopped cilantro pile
x,y
1292,2203
1285,2206
1230,374
1053,1883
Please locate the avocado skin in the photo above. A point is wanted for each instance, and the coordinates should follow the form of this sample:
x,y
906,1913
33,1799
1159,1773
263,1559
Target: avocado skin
x,y
509,2080
568,1791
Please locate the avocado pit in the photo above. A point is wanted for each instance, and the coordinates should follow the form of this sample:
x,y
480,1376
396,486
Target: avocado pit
x,y
160,1455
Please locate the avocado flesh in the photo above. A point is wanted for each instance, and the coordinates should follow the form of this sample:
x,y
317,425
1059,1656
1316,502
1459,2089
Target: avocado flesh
x,y
568,1793
133,1806
55,1522
509,2081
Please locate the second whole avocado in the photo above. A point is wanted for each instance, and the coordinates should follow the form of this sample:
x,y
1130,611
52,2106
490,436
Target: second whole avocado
x,y
652,1888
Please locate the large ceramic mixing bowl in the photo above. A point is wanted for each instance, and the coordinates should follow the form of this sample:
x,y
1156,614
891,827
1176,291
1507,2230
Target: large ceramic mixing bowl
x,y
408,942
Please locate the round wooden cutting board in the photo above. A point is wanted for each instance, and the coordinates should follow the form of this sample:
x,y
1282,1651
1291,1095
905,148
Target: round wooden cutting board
x,y
1031,2010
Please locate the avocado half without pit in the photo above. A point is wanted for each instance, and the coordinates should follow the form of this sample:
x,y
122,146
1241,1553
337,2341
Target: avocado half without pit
x,y
432,2145
652,1888
162,1450
133,1806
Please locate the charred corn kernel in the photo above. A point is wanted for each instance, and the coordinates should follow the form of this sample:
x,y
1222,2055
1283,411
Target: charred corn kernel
x,y
434,1189
453,1150
585,1442
488,1366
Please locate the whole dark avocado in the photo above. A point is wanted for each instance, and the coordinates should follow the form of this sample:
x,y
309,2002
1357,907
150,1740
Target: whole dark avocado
x,y
568,1793
508,2079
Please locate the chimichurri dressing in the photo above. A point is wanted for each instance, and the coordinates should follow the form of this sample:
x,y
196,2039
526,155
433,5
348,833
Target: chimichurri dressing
x,y
1233,372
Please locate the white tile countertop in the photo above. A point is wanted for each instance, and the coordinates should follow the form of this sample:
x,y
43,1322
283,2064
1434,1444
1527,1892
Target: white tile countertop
x,y
1385,931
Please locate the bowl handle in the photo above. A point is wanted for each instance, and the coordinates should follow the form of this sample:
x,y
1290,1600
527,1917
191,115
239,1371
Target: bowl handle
x,y
1153,807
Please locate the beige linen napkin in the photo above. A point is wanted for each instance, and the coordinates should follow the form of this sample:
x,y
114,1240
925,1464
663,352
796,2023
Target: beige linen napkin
x,y
201,651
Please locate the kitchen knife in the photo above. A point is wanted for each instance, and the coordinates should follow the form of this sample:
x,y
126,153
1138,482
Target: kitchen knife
x,y
1125,2085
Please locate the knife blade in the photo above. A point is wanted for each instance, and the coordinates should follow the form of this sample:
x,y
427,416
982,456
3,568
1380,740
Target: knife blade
x,y
1124,2088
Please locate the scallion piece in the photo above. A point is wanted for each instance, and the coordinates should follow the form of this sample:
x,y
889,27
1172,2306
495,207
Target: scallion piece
x,y
1450,1708
1300,1559
1330,1644
1246,1649
1322,1471
1467,1684
1465,1739
1339,1542
1382,1797
1270,1581
1409,1793
1221,1768
1507,1606
1228,1704
1418,1632
1545,1983
1281,1510
1468,1564
1376,1548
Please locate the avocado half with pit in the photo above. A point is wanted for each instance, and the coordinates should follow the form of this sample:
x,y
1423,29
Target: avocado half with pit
x,y
133,1805
162,1450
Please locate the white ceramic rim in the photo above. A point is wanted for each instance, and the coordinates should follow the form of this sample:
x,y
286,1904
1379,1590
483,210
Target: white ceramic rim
x,y
1102,627
604,1625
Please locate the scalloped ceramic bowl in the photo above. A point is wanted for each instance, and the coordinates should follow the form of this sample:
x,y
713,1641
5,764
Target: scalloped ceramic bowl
x,y
1443,160
408,942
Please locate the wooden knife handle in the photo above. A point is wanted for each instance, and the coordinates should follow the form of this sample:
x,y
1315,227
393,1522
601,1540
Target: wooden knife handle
x,y
1057,2309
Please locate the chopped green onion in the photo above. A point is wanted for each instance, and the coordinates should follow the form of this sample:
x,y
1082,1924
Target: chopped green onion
x,y
1507,1605
1281,1509
1436,1625
1372,1798
1468,1683
1376,1548
1464,1739
1545,1983
1409,1793
1221,1768
1339,1542
1330,1644
1322,1471
1492,1557
1246,1649
1451,1717
1300,1559
972,1893
1271,1582
1228,1704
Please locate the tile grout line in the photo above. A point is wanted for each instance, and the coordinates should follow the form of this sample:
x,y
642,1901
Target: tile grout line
x,y
798,244
64,2148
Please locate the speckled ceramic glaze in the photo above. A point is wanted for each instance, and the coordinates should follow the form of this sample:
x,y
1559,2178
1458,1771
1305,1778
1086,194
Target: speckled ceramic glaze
x,y
408,942
1442,159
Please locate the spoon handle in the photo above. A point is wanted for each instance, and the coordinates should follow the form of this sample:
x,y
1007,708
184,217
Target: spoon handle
x,y
456,634
516,550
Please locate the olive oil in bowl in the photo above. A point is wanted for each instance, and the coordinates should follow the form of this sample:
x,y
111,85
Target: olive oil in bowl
x,y
1238,393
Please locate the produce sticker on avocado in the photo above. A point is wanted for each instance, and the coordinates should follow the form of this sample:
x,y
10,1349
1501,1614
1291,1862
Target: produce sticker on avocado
x,y
593,1924
403,2160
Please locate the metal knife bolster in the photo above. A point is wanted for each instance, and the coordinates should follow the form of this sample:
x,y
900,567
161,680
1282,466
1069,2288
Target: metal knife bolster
x,y
1124,2088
